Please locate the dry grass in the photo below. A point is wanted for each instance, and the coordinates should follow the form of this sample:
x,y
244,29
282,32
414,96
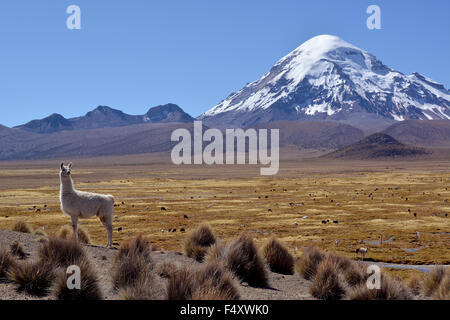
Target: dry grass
x,y
40,232
443,291
83,235
61,253
165,269
132,264
17,250
217,252
7,262
433,279
22,226
34,278
278,257
66,232
391,289
180,284
355,274
245,262
142,289
306,265
326,283
198,241
209,282
414,283
215,283
89,284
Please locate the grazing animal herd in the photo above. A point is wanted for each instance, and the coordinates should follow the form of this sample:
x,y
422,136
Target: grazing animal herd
x,y
81,205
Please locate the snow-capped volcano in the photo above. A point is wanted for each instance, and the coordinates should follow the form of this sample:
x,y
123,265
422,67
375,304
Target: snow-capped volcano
x,y
327,78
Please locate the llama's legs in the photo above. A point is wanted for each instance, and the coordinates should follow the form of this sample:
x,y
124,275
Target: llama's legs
x,y
107,223
75,227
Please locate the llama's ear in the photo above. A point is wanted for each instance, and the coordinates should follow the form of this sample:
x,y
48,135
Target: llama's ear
x,y
62,165
70,165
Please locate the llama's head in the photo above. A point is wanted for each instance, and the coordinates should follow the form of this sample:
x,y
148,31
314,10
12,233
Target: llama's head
x,y
65,170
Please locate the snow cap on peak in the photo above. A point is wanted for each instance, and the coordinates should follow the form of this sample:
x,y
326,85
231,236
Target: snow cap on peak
x,y
324,43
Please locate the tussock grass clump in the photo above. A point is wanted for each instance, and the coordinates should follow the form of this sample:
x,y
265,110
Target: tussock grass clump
x,y
33,278
245,262
7,262
209,282
165,269
414,284
181,284
17,250
22,226
198,241
215,283
342,262
307,263
40,232
443,291
66,232
278,257
83,235
61,253
326,284
142,289
391,289
89,284
133,263
217,252
355,274
433,279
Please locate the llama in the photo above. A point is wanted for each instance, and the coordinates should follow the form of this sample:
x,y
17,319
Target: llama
x,y
363,251
79,204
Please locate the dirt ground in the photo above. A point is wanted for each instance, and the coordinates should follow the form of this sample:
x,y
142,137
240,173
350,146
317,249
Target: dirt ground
x,y
282,287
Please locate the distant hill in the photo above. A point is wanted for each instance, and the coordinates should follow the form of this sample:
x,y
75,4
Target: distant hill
x,y
315,134
50,124
106,117
167,113
377,146
425,133
134,139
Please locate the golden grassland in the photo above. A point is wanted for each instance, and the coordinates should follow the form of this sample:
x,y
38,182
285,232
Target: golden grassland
x,y
368,201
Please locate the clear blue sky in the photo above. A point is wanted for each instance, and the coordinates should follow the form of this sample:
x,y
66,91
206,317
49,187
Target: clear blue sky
x,y
135,54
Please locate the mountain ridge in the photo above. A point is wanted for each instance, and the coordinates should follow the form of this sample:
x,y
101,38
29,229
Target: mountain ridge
x,y
105,117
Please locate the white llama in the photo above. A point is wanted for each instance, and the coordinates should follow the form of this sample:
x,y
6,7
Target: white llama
x,y
79,204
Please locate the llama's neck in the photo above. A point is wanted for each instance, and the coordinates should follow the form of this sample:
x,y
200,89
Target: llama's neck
x,y
66,185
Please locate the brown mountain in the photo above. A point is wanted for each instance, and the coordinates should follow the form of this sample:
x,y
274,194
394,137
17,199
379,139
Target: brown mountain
x,y
315,134
424,133
377,146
